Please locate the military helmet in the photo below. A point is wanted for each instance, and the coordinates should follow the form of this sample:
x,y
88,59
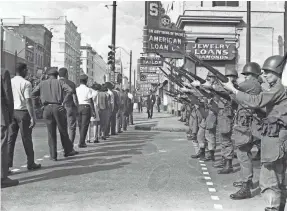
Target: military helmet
x,y
231,72
274,64
253,68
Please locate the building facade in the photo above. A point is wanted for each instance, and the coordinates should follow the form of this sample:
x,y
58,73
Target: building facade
x,y
14,50
42,38
93,65
216,31
65,43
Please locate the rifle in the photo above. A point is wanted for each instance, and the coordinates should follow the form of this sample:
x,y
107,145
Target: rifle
x,y
173,79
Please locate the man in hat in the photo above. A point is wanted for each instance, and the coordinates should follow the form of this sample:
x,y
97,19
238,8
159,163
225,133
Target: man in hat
x,y
71,104
111,118
115,110
150,103
86,108
54,94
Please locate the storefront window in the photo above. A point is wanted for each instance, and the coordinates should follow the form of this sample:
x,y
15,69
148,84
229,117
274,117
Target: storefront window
x,y
225,3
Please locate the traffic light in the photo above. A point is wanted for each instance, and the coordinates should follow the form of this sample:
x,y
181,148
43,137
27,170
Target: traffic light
x,y
111,55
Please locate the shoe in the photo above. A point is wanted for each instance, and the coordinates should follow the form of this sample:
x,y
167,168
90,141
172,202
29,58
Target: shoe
x,y
5,183
34,166
96,141
88,141
221,164
120,131
239,184
82,145
113,134
53,159
210,156
228,168
104,138
243,193
72,153
200,154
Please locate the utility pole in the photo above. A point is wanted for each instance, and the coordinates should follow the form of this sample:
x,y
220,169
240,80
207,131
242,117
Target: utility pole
x,y
131,53
16,57
134,80
285,27
114,34
2,44
248,33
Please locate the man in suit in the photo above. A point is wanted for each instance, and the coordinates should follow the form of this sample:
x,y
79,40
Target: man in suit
x,y
150,103
7,110
115,111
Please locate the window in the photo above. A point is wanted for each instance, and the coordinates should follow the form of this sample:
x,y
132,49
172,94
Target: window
x,y
225,3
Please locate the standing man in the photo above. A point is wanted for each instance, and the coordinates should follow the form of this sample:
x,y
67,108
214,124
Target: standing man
x,y
158,103
112,119
71,104
140,104
24,117
7,111
116,109
274,132
126,109
52,93
120,111
86,109
131,107
150,104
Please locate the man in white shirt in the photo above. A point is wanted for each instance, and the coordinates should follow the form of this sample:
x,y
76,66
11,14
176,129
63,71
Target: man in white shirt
x,y
111,113
24,118
131,118
86,109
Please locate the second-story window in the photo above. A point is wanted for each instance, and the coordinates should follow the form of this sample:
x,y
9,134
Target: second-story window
x,y
225,3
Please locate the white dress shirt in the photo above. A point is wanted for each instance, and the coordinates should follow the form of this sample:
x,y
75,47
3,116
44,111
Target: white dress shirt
x,y
112,99
84,94
22,90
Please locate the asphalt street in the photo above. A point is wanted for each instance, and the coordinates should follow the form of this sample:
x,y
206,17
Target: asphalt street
x,y
136,170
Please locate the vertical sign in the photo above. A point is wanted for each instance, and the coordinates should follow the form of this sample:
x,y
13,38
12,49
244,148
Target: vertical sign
x,y
153,13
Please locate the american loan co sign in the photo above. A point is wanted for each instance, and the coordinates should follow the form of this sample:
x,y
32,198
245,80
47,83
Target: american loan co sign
x,y
163,40
210,51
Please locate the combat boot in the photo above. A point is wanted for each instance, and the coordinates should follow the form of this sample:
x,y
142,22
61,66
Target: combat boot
x,y
200,154
221,164
210,156
243,193
228,168
239,184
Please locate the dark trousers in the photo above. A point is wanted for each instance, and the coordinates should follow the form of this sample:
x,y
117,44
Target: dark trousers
x,y
150,112
84,116
55,115
113,122
4,151
21,121
72,121
140,108
103,113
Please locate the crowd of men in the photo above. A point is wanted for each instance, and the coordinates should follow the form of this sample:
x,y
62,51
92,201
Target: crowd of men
x,y
99,111
239,116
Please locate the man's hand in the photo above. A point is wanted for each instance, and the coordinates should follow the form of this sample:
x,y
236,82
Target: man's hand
x,y
207,84
184,89
195,83
186,84
32,122
229,86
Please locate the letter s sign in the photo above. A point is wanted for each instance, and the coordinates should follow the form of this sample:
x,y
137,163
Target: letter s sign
x,y
153,9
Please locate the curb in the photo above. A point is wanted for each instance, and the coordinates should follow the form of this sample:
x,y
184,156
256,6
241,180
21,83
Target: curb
x,y
155,128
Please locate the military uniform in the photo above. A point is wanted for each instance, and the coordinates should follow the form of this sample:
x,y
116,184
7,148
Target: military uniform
x,y
244,121
51,92
274,135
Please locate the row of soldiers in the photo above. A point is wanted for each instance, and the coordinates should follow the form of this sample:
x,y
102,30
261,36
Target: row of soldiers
x,y
239,116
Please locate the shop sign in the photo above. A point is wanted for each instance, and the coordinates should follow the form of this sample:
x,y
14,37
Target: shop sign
x,y
213,51
151,61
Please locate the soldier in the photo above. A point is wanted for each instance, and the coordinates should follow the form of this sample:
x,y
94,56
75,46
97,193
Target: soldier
x,y
274,132
224,121
244,120
51,92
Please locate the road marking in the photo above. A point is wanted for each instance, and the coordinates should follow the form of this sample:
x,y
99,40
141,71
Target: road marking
x,y
207,178
14,170
39,159
206,173
204,168
209,183
211,189
216,198
24,166
201,161
202,164
46,156
218,207
162,150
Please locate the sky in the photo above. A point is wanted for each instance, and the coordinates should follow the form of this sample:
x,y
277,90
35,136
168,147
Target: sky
x,y
94,21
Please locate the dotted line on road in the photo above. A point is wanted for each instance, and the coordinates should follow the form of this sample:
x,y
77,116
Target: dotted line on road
x,y
209,183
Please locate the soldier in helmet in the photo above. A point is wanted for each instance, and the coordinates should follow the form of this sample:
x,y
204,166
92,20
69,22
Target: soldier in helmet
x,y
273,134
244,120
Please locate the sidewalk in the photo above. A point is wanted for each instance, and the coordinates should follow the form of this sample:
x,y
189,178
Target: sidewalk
x,y
160,122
